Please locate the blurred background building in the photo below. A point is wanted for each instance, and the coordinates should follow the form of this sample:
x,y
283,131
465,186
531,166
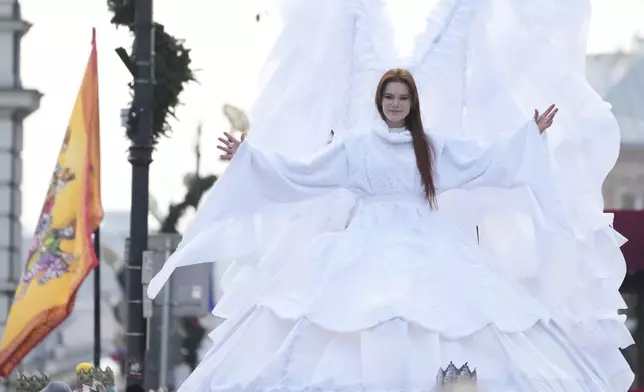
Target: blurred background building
x,y
16,103
619,78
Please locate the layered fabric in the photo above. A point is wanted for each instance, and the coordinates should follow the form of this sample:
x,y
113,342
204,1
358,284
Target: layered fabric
x,y
344,279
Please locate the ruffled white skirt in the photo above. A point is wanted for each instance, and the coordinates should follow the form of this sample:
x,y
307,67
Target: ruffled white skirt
x,y
385,303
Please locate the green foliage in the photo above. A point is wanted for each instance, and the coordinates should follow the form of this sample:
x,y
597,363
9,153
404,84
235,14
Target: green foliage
x,y
123,11
172,68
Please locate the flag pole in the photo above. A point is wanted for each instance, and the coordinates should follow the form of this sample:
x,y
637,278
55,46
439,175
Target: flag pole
x,y
97,275
97,300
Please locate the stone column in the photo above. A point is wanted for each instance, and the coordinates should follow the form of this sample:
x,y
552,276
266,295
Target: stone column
x,y
16,103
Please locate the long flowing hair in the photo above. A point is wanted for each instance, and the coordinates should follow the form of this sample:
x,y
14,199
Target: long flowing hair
x,y
423,148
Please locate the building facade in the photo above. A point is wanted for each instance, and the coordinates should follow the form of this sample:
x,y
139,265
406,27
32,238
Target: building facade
x,y
16,103
619,79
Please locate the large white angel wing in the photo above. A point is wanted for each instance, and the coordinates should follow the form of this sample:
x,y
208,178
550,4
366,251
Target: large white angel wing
x,y
484,77
304,83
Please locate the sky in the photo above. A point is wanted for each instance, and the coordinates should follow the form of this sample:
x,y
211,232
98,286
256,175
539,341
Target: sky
x,y
226,47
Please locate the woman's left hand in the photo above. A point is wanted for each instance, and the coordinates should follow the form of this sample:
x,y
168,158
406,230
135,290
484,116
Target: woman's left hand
x,y
544,120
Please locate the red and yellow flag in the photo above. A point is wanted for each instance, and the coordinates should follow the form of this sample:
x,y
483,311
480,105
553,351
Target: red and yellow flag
x,y
61,254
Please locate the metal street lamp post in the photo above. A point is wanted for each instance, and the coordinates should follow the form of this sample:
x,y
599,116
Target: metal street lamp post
x,y
140,157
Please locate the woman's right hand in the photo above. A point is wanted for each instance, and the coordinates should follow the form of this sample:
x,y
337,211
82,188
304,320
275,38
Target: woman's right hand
x,y
229,146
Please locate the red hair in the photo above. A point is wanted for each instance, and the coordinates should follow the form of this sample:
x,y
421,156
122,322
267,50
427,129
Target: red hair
x,y
423,148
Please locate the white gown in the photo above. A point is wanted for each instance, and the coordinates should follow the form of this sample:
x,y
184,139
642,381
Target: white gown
x,y
399,293
343,278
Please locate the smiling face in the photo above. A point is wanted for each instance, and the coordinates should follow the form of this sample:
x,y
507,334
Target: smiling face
x,y
396,103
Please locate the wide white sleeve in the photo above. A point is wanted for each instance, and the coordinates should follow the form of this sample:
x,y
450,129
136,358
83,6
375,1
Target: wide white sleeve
x,y
279,179
256,185
520,158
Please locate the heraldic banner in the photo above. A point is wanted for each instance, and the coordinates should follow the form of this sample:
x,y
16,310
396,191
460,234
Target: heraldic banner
x,y
61,254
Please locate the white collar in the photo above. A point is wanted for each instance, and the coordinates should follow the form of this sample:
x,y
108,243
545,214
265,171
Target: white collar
x,y
381,129
397,136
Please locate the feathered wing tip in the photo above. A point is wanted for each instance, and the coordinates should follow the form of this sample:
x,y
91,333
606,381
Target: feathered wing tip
x,y
304,83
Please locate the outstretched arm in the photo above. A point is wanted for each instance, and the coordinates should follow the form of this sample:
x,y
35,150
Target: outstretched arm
x,y
225,226
519,158
279,178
